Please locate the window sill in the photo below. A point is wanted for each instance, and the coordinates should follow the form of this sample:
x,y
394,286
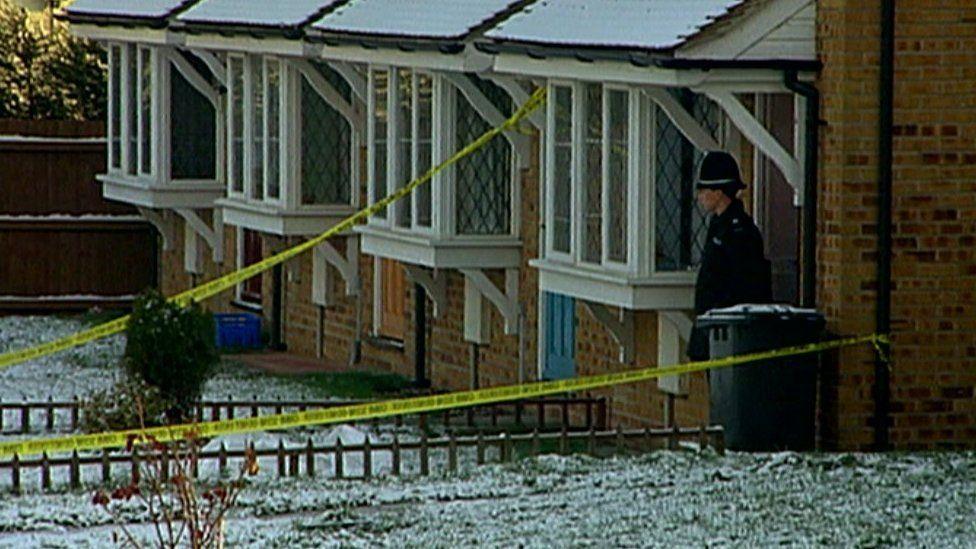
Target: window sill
x,y
279,220
661,291
247,306
154,193
385,343
459,252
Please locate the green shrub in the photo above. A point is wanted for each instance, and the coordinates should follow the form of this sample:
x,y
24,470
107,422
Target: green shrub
x,y
171,348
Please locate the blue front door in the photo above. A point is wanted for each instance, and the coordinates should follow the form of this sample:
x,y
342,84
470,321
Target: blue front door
x,y
560,320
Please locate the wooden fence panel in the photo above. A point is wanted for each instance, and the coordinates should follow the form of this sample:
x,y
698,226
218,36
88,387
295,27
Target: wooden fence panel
x,y
59,239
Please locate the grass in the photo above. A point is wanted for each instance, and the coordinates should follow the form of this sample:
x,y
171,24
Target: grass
x,y
354,384
96,316
358,384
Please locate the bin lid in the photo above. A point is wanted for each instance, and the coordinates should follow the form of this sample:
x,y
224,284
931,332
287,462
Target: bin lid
x,y
761,311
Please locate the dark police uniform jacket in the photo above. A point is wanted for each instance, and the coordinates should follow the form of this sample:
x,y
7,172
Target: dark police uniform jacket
x,y
733,269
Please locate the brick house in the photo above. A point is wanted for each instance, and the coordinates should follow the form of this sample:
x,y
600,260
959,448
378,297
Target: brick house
x,y
568,247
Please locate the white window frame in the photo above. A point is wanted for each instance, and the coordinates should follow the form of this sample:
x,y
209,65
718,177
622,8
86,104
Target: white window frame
x,y
371,192
131,55
115,64
144,142
550,195
635,177
285,164
245,125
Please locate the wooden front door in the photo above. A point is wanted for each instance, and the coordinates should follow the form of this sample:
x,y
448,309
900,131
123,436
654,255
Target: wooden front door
x,y
776,214
393,300
560,325
251,253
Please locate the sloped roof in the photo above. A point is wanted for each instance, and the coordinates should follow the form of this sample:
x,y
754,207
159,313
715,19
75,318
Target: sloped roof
x,y
122,9
445,19
624,24
279,13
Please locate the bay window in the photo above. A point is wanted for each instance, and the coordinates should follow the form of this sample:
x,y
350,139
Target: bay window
x,y
291,150
621,225
465,216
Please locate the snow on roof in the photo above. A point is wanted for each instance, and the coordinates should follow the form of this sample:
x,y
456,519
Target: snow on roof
x,y
644,24
148,9
413,18
249,12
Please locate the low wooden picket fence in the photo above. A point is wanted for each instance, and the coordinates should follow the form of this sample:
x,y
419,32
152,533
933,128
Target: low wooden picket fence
x,y
550,413
295,460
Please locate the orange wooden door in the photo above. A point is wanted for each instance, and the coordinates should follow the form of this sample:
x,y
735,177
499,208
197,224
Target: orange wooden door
x,y
393,298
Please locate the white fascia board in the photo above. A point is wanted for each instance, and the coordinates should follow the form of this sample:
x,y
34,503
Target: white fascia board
x,y
126,34
597,71
669,291
469,60
248,44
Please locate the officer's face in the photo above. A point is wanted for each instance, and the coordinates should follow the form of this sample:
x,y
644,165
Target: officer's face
x,y
709,199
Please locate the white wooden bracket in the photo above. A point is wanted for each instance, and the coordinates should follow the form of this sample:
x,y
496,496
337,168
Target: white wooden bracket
x,y
332,96
491,115
161,221
325,254
197,80
620,326
214,64
682,119
433,282
673,328
758,135
356,81
505,301
520,96
213,236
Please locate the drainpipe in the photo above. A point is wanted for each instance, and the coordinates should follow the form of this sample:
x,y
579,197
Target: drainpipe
x,y
882,389
420,337
808,285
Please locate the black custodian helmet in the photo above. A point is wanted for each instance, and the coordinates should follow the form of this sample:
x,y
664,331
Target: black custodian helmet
x,y
719,170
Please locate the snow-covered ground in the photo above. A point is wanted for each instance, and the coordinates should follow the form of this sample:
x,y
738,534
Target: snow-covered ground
x,y
662,499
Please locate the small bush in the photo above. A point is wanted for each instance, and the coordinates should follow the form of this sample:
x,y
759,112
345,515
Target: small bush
x,y
171,348
130,404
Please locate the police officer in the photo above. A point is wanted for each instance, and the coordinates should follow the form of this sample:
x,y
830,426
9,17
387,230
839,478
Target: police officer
x,y
733,267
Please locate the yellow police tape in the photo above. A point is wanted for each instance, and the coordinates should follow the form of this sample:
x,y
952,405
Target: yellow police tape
x,y
415,405
214,287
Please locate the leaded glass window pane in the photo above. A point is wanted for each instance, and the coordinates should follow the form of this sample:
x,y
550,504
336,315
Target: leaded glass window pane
x,y
562,168
326,144
237,124
192,128
257,127
145,110
680,224
593,173
115,98
709,115
273,79
404,142
133,115
425,125
380,118
483,179
618,117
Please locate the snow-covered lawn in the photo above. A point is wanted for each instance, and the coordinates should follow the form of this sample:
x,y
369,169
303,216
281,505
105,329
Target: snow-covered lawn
x,y
662,499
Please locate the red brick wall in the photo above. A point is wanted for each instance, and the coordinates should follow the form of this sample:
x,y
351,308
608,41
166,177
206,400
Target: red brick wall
x,y
934,199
